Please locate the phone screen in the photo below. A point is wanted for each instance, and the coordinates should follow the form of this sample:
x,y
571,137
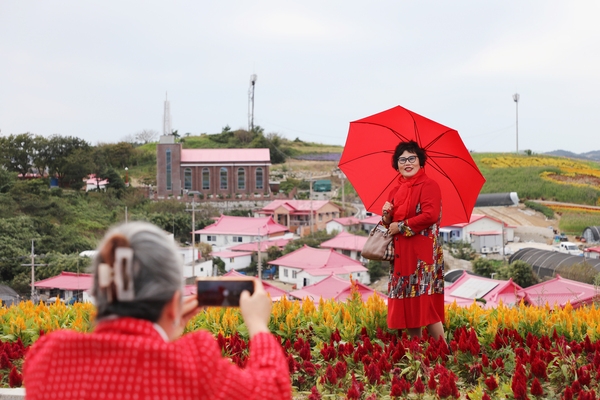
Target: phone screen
x,y
222,292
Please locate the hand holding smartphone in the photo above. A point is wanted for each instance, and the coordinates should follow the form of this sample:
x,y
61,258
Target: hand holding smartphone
x,y
222,291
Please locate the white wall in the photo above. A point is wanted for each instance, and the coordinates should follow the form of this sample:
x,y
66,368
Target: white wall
x,y
203,269
362,277
484,224
226,241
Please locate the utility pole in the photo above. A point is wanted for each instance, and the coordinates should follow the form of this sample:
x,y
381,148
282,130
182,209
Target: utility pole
x,y
193,210
251,103
33,265
311,205
516,99
259,258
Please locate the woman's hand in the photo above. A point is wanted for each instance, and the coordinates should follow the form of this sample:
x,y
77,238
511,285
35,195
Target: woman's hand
x,y
394,228
256,309
387,208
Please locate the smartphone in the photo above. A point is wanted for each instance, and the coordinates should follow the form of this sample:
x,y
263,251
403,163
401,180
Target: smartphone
x,y
222,291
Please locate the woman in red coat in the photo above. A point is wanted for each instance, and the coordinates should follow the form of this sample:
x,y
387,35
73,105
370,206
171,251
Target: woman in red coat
x,y
412,215
135,351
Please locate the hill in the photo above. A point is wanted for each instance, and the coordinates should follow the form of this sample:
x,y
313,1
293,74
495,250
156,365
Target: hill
x,y
590,155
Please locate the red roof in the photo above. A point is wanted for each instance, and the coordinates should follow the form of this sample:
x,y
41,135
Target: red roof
x,y
372,220
319,262
66,281
299,206
264,245
275,292
345,241
225,156
347,221
469,287
231,254
593,249
248,226
334,288
558,291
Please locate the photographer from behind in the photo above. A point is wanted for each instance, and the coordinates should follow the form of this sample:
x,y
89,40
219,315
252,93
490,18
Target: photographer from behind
x,y
136,351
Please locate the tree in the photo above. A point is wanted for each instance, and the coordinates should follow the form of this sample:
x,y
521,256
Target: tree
x,y
146,136
59,150
17,152
377,269
484,267
520,272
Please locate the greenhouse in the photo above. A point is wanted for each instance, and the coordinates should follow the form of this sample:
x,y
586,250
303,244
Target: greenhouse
x,y
591,234
546,263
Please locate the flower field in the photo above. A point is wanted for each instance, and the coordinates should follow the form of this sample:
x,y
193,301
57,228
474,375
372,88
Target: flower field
x,y
344,350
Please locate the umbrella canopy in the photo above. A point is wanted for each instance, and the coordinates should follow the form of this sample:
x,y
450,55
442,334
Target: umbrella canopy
x,y
367,161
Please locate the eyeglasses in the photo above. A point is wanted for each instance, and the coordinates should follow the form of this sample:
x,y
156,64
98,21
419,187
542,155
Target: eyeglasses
x,y
403,160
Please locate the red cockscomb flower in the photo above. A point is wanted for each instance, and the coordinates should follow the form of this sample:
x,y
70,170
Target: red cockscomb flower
x,y
419,387
536,388
314,394
15,379
491,383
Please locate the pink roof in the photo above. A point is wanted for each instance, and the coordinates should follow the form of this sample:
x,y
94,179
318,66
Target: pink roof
x,y
347,221
229,225
319,262
92,179
225,156
231,254
275,292
297,205
558,291
345,241
474,218
372,220
334,288
593,249
264,245
66,281
470,287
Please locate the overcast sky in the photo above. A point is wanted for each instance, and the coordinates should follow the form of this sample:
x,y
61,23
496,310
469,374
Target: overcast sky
x,y
100,70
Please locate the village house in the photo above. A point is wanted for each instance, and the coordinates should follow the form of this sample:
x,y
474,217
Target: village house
x,y
486,234
347,244
558,291
298,215
230,231
227,173
67,285
487,292
592,252
334,288
234,259
345,224
308,265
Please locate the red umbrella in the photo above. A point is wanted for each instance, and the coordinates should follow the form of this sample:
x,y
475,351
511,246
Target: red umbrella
x,y
367,161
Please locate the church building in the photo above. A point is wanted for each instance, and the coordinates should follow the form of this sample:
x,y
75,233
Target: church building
x,y
216,172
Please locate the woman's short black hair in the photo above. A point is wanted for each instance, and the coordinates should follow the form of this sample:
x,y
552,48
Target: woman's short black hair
x,y
411,147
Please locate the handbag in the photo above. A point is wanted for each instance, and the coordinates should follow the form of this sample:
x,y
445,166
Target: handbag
x,y
379,245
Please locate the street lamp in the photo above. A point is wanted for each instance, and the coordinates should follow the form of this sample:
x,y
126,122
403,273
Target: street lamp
x,y
516,99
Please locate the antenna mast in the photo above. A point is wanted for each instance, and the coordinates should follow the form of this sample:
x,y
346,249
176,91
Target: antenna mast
x,y
251,103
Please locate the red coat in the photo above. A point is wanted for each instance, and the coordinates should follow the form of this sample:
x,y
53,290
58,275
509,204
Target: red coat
x,y
416,287
126,358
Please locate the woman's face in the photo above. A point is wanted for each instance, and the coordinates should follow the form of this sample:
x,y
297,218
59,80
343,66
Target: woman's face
x,y
408,164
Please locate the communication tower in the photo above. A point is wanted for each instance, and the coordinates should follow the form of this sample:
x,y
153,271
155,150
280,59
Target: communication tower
x,y
251,103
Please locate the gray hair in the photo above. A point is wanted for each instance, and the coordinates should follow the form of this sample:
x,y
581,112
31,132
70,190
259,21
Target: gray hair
x,y
158,272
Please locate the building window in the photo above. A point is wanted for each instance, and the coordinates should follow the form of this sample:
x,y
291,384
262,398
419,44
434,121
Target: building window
x,y
211,238
205,179
237,239
187,179
241,178
223,178
285,272
294,274
231,260
168,171
259,178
